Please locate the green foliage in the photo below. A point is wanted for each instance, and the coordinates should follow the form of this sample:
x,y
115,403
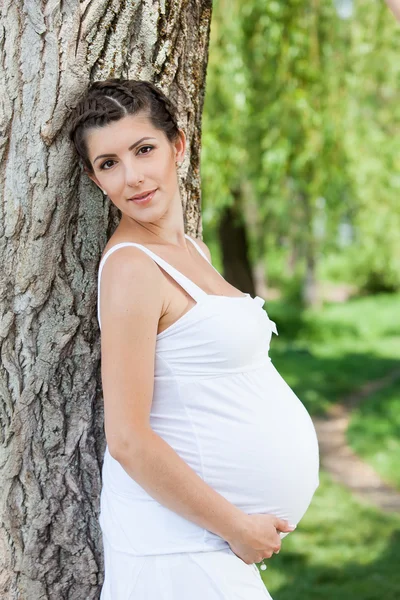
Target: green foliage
x,y
302,112
373,128
224,156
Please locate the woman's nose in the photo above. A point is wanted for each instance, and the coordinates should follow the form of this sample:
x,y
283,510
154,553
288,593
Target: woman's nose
x,y
133,175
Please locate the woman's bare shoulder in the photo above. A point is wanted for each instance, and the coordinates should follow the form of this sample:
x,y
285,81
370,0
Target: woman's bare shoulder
x,y
127,262
129,273
114,241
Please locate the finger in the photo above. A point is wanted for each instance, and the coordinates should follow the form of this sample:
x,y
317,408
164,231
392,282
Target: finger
x,y
283,525
277,547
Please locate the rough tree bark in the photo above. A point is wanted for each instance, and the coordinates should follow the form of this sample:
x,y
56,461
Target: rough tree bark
x,y
54,224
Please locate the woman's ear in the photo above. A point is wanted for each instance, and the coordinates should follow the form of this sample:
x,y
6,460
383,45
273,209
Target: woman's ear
x,y
92,177
180,146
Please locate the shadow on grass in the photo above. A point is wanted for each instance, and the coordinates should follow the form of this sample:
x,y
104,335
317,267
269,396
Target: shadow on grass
x,y
320,381
326,354
296,323
370,318
373,581
374,432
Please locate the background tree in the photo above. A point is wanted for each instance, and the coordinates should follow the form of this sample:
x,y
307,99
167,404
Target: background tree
x,y
225,157
295,130
54,226
373,143
300,97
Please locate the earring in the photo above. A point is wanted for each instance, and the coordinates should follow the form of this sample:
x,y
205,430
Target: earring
x,y
104,192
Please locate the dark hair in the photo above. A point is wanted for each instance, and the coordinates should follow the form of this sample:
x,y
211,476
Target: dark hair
x,y
113,99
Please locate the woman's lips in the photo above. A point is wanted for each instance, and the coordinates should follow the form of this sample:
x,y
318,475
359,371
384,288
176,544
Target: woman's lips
x,y
144,199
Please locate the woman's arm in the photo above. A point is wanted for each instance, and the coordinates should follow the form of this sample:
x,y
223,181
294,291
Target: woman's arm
x,y
131,303
158,469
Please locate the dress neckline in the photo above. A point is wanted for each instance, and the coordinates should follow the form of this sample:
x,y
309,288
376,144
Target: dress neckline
x,y
162,262
196,292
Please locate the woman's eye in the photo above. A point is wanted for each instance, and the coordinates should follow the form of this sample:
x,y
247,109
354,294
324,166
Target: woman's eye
x,y
111,161
104,163
143,148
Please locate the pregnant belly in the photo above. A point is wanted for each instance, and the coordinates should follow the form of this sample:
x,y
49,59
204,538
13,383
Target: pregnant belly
x,y
246,434
258,444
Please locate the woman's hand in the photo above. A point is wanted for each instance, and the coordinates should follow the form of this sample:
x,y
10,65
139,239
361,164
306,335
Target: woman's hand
x,y
258,537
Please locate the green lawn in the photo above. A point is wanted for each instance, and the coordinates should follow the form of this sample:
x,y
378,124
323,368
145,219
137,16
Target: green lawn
x,y
327,354
374,432
342,550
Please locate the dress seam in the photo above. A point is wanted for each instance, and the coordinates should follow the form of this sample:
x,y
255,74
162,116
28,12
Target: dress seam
x,y
181,378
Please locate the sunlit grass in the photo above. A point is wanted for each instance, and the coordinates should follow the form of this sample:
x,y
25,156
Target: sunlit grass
x,y
374,432
340,550
325,355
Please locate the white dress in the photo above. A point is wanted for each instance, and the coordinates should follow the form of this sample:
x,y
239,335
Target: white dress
x,y
212,575
223,407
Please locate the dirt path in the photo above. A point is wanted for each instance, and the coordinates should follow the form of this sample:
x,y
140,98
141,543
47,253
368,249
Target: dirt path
x,y
339,459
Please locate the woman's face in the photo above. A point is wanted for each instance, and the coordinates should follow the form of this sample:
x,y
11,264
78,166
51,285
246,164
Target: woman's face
x,y
130,157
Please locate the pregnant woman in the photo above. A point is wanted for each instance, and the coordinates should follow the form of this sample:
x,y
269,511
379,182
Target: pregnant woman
x,y
211,458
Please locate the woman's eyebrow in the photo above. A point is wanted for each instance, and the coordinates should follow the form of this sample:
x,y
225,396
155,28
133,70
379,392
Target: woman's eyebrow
x,y
130,148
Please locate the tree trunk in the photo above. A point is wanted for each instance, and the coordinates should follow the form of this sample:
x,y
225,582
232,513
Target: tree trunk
x,y
255,233
234,247
310,295
53,227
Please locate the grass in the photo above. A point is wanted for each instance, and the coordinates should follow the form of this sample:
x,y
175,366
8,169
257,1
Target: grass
x,y
340,550
326,354
374,432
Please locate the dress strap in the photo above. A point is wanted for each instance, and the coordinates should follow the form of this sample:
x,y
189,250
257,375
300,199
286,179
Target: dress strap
x,y
189,286
197,246
202,253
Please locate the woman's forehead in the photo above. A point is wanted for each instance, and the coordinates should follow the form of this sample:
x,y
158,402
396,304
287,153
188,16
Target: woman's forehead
x,y
120,134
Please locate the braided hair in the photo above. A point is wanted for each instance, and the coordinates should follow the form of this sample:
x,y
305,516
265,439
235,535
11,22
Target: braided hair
x,y
113,99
